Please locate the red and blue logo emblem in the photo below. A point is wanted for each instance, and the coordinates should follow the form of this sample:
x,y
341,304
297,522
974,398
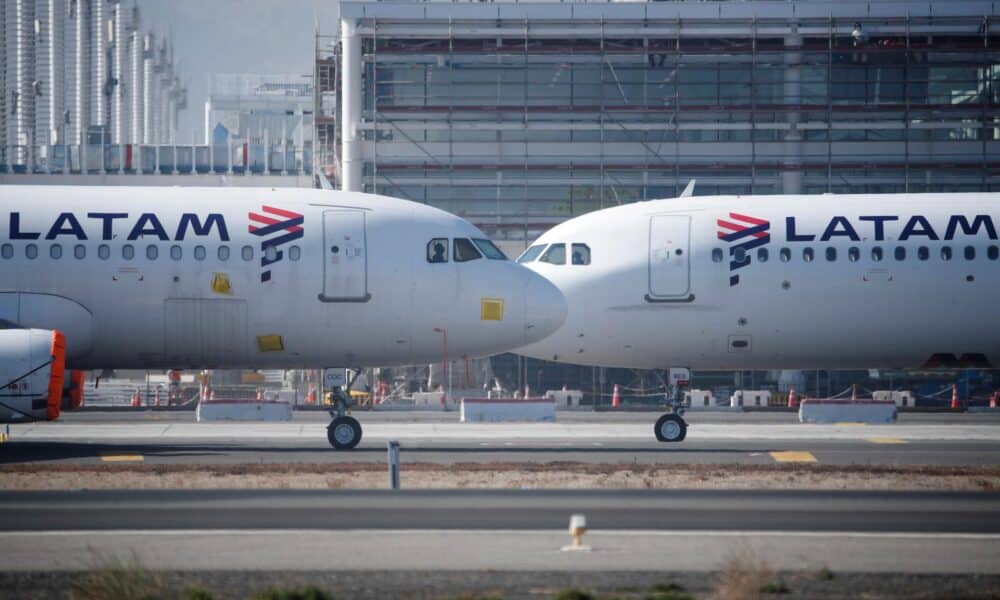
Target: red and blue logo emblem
x,y
744,234
278,227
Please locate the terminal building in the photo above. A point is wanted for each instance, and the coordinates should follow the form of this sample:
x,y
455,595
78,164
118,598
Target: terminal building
x,y
518,115
81,80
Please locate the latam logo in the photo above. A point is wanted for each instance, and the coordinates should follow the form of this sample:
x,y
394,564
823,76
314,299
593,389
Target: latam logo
x,y
277,227
743,233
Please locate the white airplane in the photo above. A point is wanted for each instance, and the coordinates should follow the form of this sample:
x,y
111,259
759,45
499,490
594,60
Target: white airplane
x,y
157,278
769,282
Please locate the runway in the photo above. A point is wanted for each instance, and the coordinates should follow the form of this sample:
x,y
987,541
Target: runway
x,y
601,438
512,530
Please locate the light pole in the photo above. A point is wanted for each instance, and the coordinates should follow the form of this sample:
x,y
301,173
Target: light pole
x,y
444,361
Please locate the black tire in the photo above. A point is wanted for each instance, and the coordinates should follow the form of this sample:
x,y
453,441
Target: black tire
x,y
670,428
344,433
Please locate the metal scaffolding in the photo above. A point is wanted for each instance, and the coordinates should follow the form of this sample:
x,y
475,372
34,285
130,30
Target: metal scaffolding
x,y
518,116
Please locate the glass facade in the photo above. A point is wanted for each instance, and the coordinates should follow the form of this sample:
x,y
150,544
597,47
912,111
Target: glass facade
x,y
523,122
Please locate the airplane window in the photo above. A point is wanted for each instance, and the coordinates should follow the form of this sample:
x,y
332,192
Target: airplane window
x,y
970,253
176,253
877,254
104,252
223,253
945,252
294,253
993,252
152,252
7,251
739,254
489,249
437,250
128,251
807,254
785,255
581,254
465,250
247,252
762,255
831,254
531,253
555,255
716,254
80,251
55,251
899,253
200,253
923,253
853,254
31,251
271,253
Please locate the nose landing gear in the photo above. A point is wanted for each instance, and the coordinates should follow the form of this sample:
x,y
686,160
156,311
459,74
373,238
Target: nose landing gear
x,y
343,432
672,427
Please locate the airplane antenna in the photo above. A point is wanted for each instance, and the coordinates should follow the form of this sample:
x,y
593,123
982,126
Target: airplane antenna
x,y
689,190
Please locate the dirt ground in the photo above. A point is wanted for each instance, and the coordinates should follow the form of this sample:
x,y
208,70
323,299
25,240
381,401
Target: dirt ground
x,y
556,475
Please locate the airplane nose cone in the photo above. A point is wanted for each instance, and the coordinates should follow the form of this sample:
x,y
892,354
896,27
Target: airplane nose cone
x,y
545,309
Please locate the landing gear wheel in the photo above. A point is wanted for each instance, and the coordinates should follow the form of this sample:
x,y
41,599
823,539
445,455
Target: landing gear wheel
x,y
344,433
670,428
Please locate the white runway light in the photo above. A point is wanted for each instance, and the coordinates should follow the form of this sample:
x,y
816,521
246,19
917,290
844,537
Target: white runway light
x,y
577,527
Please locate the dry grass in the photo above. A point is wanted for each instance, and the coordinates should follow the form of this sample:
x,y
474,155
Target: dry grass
x,y
553,475
114,579
742,576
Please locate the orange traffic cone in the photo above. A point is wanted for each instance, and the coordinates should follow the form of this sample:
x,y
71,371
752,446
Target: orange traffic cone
x,y
993,400
260,395
954,397
616,399
793,400
135,400
311,397
157,397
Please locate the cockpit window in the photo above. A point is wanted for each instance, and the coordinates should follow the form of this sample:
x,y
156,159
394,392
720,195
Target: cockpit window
x,y
437,250
556,254
489,249
465,250
581,254
531,253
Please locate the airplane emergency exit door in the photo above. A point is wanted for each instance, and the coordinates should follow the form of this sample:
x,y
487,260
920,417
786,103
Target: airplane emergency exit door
x,y
345,258
669,261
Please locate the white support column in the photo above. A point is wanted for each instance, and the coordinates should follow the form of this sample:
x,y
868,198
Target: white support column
x,y
791,175
208,122
350,117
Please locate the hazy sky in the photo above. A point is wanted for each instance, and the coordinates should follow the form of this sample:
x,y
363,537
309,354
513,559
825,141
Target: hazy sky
x,y
235,36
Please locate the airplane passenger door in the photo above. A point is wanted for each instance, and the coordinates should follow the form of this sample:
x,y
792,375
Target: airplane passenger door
x,y
345,257
669,258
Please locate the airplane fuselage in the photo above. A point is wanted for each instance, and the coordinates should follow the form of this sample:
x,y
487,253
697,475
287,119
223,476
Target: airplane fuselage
x,y
228,277
835,282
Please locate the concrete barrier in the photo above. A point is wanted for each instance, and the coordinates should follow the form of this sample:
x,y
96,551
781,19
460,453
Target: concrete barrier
x,y
902,398
750,398
565,398
244,410
478,410
847,411
699,398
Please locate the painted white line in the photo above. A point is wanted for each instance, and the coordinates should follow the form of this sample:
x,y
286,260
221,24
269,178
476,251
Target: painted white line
x,y
516,532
